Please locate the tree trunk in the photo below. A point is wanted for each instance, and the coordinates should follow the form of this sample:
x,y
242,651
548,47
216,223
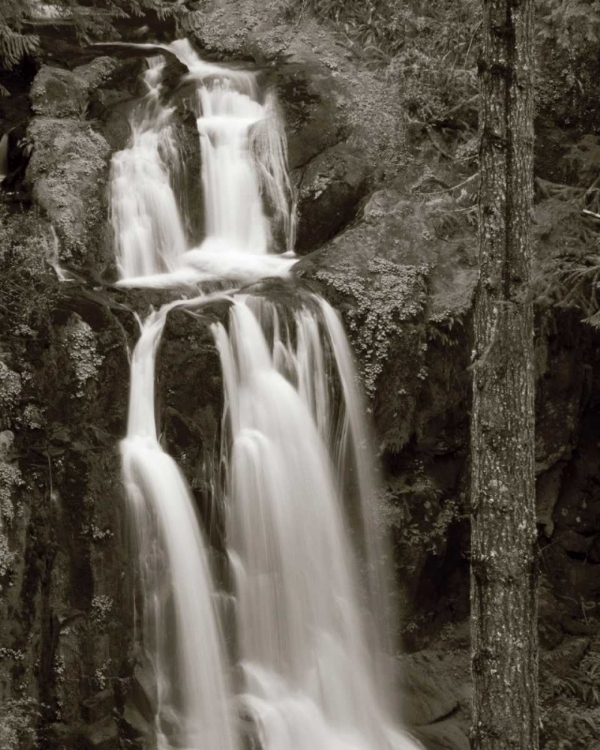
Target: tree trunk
x,y
503,542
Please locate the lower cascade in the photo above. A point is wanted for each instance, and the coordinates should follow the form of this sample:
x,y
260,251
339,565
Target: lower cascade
x,y
308,662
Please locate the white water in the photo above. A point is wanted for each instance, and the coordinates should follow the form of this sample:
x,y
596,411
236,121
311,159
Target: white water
x,y
3,156
149,235
180,628
311,597
311,678
244,166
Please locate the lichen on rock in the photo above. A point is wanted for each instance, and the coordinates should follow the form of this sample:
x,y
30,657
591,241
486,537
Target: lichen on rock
x,y
10,480
68,171
61,93
10,392
382,301
80,342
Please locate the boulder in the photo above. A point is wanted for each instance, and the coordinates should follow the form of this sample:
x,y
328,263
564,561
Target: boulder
x,y
411,232
137,725
329,191
398,267
68,172
103,735
57,92
311,100
326,97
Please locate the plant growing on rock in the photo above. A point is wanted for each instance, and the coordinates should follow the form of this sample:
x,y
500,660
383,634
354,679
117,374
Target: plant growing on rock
x,y
18,722
381,303
27,279
90,22
81,345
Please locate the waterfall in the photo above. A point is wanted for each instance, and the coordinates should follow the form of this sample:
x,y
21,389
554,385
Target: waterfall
x,y
311,679
312,600
181,633
149,236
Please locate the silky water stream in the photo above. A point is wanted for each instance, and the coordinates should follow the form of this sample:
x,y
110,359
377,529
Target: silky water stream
x,y
310,590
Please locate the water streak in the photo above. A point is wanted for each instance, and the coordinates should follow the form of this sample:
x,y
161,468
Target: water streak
x,y
311,676
181,634
149,234
3,156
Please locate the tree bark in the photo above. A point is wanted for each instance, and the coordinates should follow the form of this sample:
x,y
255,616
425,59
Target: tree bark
x,y
503,541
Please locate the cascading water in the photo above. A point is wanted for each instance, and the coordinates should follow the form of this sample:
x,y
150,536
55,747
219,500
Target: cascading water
x,y
181,633
299,488
149,235
311,680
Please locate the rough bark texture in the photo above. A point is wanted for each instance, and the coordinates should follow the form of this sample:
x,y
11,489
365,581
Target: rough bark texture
x,y
503,563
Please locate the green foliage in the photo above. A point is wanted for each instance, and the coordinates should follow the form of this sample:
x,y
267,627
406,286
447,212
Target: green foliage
x,y
80,342
413,508
28,282
575,283
15,43
17,723
388,297
571,703
572,24
90,22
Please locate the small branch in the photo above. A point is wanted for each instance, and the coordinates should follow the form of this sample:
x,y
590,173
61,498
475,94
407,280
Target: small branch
x,y
591,213
454,187
594,184
457,108
442,151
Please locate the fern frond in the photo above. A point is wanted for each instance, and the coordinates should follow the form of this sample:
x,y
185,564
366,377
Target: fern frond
x,y
14,46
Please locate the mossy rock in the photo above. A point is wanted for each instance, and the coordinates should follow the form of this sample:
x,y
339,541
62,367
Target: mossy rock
x,y
68,172
57,92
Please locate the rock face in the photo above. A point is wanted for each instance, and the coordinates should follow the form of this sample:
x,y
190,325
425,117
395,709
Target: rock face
x,y
65,617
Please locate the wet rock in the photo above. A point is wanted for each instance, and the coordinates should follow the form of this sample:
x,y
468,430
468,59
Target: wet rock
x,y
393,270
547,492
103,735
445,735
137,724
190,383
429,687
576,544
328,194
143,696
99,706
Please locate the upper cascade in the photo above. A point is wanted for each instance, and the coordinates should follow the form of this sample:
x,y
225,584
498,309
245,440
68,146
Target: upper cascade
x,y
247,195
